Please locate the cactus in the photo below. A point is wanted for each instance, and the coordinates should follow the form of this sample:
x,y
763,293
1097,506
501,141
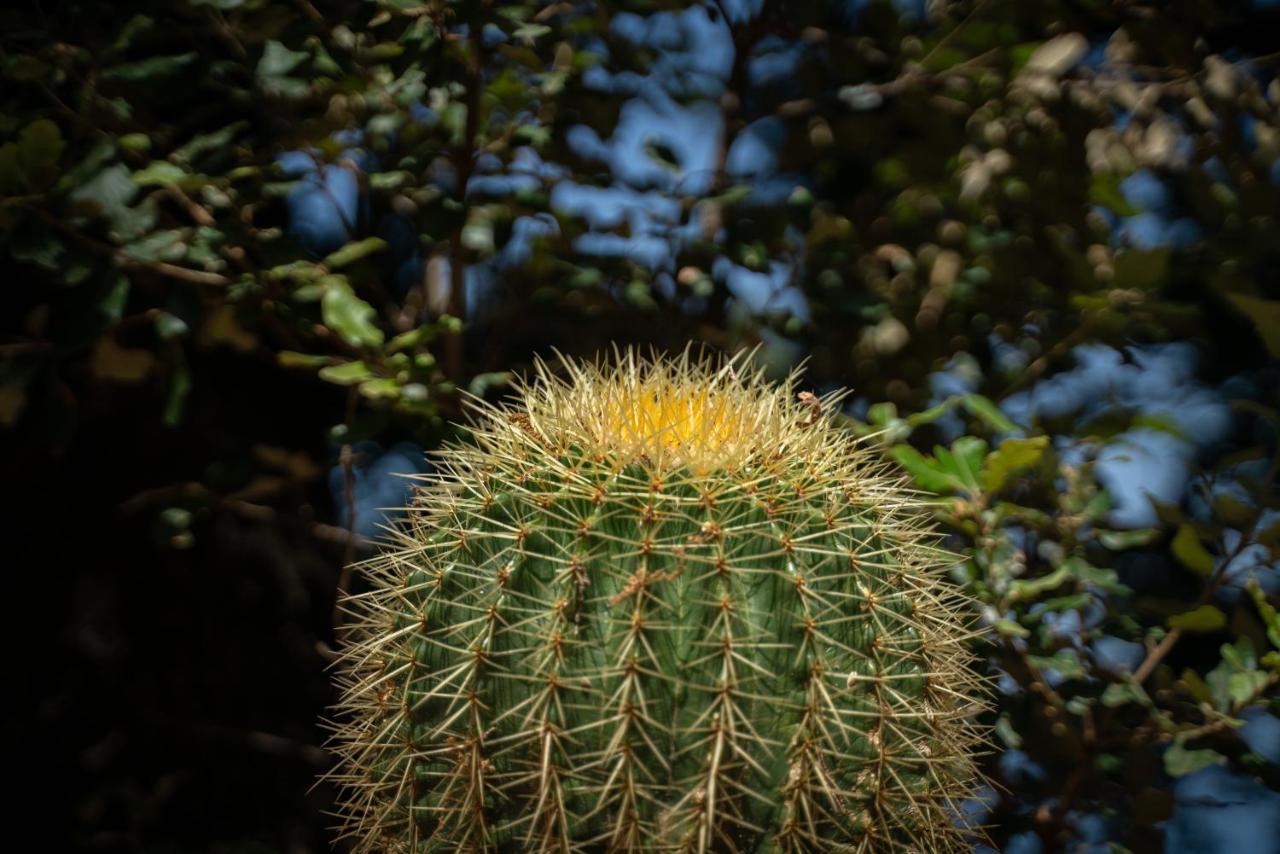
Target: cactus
x,y
658,605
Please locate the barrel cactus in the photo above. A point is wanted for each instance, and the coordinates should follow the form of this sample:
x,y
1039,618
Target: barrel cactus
x,y
657,605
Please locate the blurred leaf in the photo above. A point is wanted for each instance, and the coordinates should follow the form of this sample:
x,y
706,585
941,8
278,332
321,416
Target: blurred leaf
x,y
1065,661
1021,590
925,471
1188,549
482,383
1179,761
963,461
290,359
915,419
1268,612
1104,190
1199,690
881,414
1008,735
1010,456
170,326
107,194
1236,680
217,140
355,251
1102,578
167,245
277,60
347,373
145,70
1123,693
1121,540
986,410
348,315
1011,628
159,172
380,388
1205,618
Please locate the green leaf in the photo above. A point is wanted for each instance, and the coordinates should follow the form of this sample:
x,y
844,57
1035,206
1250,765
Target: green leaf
x,y
1102,578
1236,680
1188,549
1104,189
1179,761
347,373
1196,686
411,339
1121,540
107,194
167,245
1123,693
380,389
1012,455
291,359
214,141
1008,734
159,173
354,252
277,60
478,236
113,301
1033,588
348,315
1270,617
150,68
985,409
919,419
963,461
881,414
1244,686
1009,628
170,326
924,470
482,383
1205,618
1065,661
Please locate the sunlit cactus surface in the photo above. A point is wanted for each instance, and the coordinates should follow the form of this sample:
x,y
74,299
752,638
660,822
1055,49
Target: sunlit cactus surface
x,y
658,605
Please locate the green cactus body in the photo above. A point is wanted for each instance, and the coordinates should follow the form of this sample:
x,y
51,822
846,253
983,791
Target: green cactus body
x,y
657,607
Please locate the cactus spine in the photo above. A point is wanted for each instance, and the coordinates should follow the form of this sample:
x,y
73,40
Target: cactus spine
x,y
659,605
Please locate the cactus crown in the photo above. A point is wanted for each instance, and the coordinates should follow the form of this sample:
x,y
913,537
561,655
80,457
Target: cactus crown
x,y
668,413
658,605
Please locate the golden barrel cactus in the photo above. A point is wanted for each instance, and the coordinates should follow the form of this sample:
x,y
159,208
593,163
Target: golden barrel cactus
x,y
658,605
